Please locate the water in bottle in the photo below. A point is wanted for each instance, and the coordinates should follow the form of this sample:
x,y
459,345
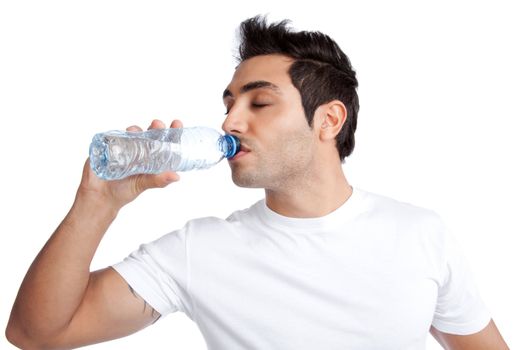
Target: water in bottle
x,y
119,154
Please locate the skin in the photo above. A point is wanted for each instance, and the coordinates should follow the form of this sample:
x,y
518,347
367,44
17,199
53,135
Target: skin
x,y
297,165
77,307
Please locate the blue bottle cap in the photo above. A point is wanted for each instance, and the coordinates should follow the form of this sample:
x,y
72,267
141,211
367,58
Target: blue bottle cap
x,y
234,145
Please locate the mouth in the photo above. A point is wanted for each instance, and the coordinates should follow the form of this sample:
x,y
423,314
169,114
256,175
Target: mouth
x,y
243,151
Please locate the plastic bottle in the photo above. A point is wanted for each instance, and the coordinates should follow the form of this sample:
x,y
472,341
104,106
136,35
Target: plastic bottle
x,y
119,154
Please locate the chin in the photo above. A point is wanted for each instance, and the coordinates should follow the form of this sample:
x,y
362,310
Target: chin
x,y
245,180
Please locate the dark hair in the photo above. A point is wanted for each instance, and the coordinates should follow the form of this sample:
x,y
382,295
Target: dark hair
x,y
321,70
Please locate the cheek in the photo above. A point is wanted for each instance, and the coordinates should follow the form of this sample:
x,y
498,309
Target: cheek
x,y
286,121
290,147
281,127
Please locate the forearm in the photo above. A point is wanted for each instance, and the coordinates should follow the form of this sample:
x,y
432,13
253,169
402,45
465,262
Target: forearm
x,y
54,290
56,281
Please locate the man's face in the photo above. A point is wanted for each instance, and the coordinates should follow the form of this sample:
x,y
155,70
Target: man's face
x,y
265,112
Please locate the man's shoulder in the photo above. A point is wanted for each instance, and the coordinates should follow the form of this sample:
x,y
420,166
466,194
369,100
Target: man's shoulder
x,y
408,222
390,208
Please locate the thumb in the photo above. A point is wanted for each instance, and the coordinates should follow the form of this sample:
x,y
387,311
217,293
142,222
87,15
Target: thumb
x,y
145,182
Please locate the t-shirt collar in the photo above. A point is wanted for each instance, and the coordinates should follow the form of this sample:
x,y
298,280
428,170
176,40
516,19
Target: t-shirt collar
x,y
347,211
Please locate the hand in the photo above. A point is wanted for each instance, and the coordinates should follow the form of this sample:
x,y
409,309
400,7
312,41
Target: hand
x,y
117,193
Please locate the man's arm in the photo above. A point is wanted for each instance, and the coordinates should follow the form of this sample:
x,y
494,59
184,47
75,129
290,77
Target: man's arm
x,y
61,304
110,309
489,338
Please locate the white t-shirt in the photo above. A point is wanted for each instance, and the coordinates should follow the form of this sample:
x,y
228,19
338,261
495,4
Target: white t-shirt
x,y
374,274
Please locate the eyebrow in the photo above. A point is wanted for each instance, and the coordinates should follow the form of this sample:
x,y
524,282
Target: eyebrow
x,y
258,84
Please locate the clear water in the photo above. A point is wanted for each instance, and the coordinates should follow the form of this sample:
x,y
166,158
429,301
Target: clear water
x,y
118,154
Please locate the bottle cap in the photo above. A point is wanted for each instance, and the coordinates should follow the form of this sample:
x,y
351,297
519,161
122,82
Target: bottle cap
x,y
234,145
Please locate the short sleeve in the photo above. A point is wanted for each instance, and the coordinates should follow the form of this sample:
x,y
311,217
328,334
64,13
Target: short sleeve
x,y
157,271
460,309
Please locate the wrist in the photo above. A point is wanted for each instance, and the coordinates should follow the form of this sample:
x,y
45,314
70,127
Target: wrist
x,y
95,207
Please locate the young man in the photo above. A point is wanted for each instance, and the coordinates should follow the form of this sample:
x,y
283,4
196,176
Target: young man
x,y
318,264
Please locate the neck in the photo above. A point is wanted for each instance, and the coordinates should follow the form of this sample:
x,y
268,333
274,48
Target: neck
x,y
311,196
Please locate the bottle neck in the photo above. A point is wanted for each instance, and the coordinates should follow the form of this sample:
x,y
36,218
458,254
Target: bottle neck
x,y
230,145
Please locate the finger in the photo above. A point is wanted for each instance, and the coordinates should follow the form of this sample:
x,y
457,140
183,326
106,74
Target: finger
x,y
168,177
164,179
157,124
176,124
133,128
145,182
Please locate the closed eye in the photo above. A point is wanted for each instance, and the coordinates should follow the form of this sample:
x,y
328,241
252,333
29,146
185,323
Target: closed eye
x,y
254,105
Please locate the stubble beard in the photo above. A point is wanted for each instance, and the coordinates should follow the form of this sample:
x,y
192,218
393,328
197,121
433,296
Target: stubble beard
x,y
244,178
286,168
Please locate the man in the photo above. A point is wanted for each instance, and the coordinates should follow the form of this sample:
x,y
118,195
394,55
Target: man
x,y
318,264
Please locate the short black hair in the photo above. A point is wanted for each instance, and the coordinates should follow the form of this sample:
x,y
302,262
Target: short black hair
x,y
321,71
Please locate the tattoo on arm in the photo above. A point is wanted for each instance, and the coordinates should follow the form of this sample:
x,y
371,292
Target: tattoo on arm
x,y
154,314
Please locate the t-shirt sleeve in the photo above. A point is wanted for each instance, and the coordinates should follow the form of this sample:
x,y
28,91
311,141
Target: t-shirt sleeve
x,y
460,309
157,271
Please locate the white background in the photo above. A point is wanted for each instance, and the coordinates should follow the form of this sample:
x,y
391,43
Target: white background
x,y
441,123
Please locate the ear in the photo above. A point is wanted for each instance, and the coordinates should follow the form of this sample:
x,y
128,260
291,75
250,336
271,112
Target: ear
x,y
332,116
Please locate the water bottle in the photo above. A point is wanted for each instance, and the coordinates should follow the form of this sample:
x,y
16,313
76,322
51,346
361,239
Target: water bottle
x,y
119,154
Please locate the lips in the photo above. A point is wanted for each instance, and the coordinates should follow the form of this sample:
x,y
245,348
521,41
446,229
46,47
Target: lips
x,y
238,155
244,150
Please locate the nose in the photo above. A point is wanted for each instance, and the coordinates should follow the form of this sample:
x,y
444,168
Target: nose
x,y
234,122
